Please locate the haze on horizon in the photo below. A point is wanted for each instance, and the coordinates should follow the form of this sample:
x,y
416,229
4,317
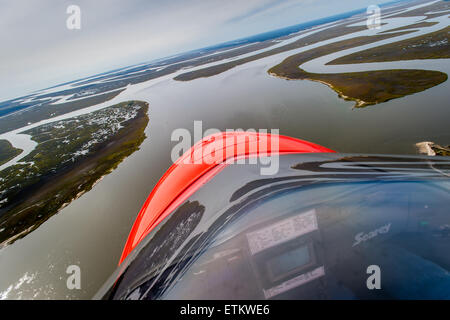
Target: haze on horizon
x,y
39,50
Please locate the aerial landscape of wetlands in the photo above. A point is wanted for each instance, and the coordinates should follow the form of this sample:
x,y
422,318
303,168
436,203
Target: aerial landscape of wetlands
x,y
91,148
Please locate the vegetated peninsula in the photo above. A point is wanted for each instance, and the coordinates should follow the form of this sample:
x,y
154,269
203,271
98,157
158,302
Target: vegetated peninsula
x,y
7,151
422,24
432,149
364,88
71,156
434,45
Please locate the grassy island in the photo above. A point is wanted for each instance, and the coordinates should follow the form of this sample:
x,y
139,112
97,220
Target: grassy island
x,y
71,156
7,151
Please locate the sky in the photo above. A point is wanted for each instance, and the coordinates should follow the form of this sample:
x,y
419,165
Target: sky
x,y
38,50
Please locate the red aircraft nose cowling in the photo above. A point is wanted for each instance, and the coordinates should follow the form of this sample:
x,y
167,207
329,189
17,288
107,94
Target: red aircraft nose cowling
x,y
201,163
